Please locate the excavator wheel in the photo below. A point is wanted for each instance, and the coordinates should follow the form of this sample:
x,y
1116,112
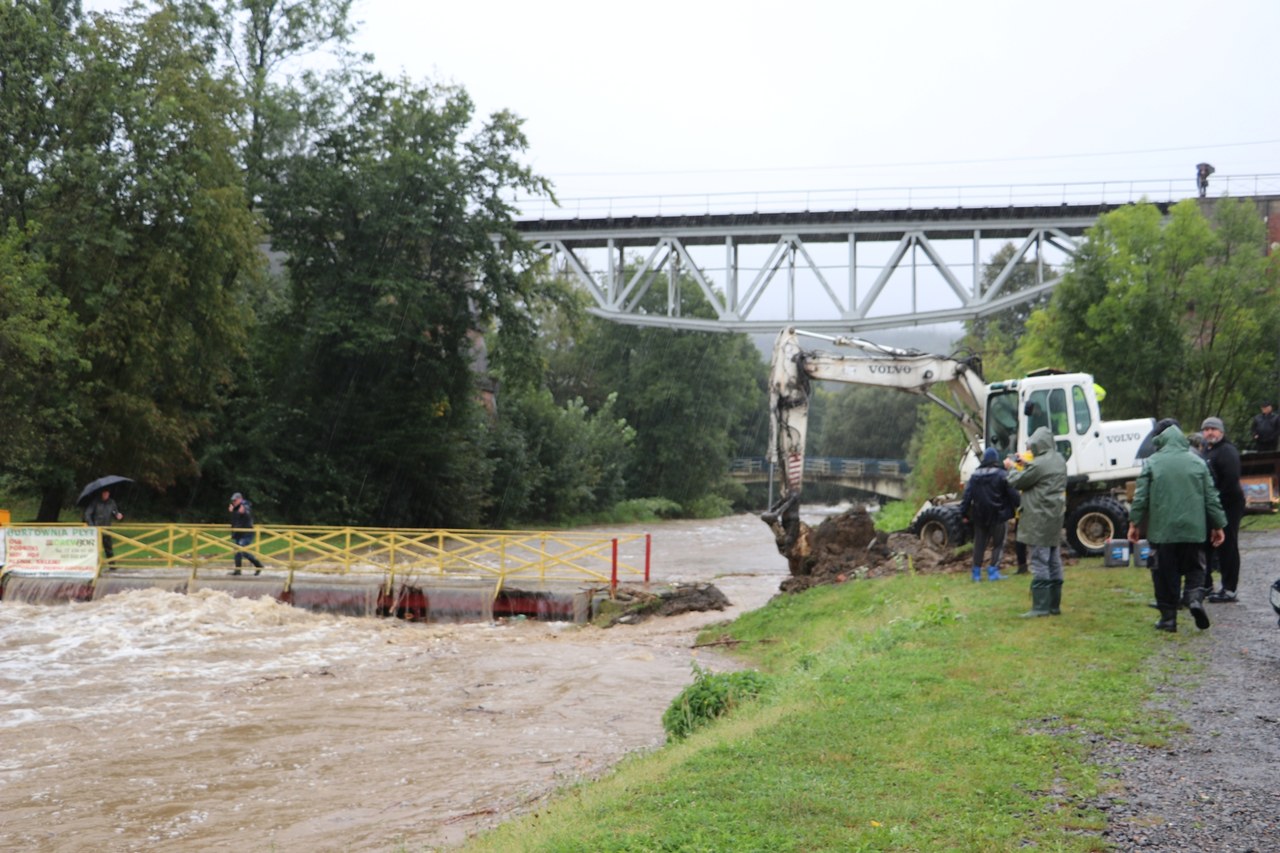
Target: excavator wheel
x,y
940,528
1093,522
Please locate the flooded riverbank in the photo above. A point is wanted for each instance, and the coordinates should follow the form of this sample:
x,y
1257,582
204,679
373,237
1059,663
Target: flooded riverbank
x,y
205,722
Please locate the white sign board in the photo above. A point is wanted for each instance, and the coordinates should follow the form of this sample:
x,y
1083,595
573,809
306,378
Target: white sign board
x,y
51,550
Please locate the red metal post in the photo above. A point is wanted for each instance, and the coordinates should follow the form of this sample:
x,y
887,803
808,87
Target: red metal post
x,y
648,549
613,583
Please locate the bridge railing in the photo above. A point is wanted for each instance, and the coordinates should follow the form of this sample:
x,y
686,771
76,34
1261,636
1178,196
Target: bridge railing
x,y
826,466
893,198
396,554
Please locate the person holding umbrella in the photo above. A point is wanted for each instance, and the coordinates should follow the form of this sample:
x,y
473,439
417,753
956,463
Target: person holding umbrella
x,y
242,531
100,512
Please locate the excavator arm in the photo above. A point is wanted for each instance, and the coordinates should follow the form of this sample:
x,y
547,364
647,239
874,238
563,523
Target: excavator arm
x,y
794,368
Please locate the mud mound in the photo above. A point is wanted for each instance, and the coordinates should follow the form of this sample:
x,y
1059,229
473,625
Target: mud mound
x,y
630,605
847,547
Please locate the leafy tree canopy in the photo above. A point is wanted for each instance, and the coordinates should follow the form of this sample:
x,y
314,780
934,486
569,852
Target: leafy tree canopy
x,y
1174,318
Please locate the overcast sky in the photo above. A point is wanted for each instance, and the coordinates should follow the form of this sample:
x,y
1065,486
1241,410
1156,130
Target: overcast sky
x,y
712,96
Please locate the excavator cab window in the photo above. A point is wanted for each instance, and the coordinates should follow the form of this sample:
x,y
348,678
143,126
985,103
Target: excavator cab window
x,y
1081,405
1048,407
1002,422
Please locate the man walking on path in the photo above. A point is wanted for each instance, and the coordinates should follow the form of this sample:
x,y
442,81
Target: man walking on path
x,y
1174,497
1224,466
1043,484
242,531
989,502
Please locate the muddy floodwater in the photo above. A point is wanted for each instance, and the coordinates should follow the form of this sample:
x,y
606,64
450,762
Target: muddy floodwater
x,y
149,720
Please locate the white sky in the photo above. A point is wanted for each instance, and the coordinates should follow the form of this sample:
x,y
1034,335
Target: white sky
x,y
713,96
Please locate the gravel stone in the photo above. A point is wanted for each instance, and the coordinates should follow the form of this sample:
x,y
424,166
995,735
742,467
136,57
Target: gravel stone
x,y
1217,787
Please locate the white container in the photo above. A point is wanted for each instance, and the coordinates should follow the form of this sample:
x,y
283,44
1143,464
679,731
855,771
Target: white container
x,y
1116,553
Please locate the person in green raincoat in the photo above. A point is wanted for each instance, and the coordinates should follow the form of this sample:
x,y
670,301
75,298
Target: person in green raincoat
x,y
1177,503
1043,484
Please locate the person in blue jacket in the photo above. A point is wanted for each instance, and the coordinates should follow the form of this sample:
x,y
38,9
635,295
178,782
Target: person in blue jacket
x,y
989,502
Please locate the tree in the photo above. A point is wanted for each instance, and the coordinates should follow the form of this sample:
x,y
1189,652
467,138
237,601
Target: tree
x,y
37,356
1175,318
866,422
143,229
258,41
390,210
690,396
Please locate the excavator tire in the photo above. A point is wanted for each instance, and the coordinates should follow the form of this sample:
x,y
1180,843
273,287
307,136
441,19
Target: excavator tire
x,y
1095,520
940,528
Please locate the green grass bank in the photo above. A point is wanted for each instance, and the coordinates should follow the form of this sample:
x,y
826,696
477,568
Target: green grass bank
x,y
911,713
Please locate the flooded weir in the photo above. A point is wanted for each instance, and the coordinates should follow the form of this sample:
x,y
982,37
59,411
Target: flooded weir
x,y
428,576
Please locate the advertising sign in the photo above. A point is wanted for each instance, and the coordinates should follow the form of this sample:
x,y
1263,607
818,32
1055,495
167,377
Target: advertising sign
x,y
51,550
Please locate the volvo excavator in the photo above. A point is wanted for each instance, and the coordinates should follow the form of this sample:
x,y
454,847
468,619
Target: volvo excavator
x,y
1101,456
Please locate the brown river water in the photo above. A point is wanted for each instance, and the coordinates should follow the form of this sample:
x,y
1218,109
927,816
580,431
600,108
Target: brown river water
x,y
149,720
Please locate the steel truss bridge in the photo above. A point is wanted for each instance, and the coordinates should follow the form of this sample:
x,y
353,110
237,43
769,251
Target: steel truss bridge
x,y
842,270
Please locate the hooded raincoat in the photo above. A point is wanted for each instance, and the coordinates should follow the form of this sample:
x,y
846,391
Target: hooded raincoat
x,y
1175,496
1043,484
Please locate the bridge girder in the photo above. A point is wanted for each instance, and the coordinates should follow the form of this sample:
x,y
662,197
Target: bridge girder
x,y
811,269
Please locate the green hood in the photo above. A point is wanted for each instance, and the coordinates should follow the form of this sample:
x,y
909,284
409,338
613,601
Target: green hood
x,y
1173,439
1041,441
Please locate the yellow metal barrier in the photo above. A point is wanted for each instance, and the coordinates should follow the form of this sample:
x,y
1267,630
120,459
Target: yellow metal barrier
x,y
396,554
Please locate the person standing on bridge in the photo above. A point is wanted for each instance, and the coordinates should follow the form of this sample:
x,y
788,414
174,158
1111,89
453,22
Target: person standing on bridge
x,y
101,512
242,531
989,502
1203,171
1043,484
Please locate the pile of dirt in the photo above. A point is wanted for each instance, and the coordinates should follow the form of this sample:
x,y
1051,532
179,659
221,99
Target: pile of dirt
x,y
628,605
848,547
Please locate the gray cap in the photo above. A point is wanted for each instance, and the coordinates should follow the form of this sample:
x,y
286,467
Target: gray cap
x,y
1212,423
237,497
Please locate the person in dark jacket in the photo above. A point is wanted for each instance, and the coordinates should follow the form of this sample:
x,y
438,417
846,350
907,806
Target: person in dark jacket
x,y
1266,428
1224,465
100,512
242,531
989,502
1177,505
1043,484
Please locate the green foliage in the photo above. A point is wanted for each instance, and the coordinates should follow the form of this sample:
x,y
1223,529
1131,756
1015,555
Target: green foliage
x,y
643,509
38,349
864,422
387,217
1175,319
711,696
690,396
895,516
117,144
556,462
709,506
937,447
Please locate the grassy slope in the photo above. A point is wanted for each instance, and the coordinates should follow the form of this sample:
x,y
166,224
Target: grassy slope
x,y
911,713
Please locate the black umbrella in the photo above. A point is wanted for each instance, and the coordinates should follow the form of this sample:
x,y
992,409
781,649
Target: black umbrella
x,y
98,485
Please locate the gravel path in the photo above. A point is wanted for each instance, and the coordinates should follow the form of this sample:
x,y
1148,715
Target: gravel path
x,y
1216,788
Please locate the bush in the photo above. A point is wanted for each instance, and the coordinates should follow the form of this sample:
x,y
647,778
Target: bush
x,y
710,696
643,509
894,516
709,506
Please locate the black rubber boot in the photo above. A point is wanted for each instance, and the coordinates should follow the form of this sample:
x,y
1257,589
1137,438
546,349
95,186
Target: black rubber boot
x,y
1168,620
1055,598
1196,605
